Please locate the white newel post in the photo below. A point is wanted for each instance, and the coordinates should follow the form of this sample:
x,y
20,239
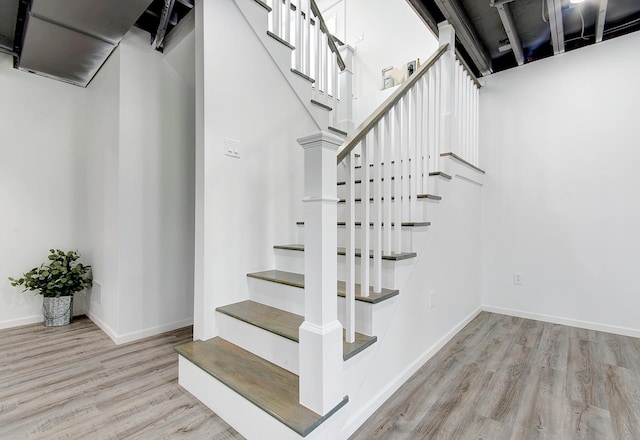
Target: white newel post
x,y
321,383
447,36
345,108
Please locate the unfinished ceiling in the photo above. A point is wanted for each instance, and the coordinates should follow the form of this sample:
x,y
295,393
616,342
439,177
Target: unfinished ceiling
x,y
494,35
69,40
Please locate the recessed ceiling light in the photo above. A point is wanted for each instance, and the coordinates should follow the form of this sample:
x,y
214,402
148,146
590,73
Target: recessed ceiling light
x,y
576,1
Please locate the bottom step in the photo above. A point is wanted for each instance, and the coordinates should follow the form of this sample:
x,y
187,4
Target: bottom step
x,y
269,387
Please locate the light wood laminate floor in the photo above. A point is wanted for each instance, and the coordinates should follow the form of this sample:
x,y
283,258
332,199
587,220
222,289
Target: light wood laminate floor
x,y
73,382
500,378
506,378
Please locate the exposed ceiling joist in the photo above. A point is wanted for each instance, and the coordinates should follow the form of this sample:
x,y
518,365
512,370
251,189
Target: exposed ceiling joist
x,y
506,17
167,9
466,33
554,9
602,14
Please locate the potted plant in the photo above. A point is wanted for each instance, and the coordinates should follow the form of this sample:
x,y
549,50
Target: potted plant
x,y
57,281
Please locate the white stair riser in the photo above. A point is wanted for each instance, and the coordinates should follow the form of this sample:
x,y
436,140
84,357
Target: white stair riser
x,y
276,349
371,319
409,236
424,210
280,296
293,261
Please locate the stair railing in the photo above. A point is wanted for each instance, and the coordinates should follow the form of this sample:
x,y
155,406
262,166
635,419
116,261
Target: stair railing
x,y
434,110
315,55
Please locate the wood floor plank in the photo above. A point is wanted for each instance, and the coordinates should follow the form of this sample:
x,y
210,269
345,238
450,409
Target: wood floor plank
x,y
80,385
543,386
585,382
624,411
553,350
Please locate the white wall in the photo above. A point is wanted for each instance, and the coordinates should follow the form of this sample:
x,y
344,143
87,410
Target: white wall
x,y
41,181
243,206
144,251
101,198
560,147
107,170
384,33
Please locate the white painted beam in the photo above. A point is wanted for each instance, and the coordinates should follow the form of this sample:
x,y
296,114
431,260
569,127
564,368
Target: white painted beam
x,y
504,10
602,14
554,9
454,14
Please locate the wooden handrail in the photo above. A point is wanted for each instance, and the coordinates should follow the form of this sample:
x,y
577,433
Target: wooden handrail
x,y
364,128
323,28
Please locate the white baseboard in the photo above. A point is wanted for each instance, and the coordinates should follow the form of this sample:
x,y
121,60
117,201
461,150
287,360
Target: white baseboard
x,y
34,319
361,416
138,334
104,327
624,331
27,320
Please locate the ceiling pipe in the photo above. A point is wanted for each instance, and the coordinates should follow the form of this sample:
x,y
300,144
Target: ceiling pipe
x,y
602,14
554,9
504,10
465,32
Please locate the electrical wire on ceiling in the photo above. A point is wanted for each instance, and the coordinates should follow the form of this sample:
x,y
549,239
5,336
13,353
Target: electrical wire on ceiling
x,y
608,31
582,21
543,17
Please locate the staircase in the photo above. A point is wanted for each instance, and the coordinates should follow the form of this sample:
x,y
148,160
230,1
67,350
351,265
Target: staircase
x,y
297,39
346,315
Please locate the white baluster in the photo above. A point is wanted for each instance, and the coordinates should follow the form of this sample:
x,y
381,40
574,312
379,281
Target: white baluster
x,y
287,21
318,57
432,118
412,157
334,88
298,35
276,14
365,219
307,40
476,122
350,248
396,123
377,210
426,133
439,118
387,157
404,148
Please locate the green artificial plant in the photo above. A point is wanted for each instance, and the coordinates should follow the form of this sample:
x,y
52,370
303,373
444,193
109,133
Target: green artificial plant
x,y
62,276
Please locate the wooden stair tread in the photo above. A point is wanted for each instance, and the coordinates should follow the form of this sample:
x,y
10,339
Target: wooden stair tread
x,y
459,159
419,196
404,224
269,387
433,173
285,324
338,131
341,251
297,280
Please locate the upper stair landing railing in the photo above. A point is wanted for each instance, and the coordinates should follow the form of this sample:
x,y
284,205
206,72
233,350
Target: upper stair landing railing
x,y
315,56
434,111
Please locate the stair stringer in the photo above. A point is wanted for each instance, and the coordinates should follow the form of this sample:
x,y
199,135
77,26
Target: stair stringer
x,y
257,18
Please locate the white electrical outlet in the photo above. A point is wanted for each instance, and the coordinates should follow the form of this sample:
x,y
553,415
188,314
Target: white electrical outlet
x,y
96,292
432,299
517,279
232,148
